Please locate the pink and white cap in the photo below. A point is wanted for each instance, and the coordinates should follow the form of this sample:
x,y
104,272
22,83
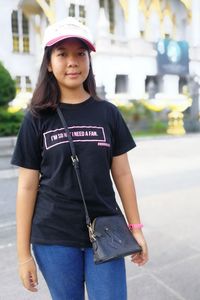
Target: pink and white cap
x,y
67,28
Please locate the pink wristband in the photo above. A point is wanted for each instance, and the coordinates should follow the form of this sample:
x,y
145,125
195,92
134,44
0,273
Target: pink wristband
x,y
135,226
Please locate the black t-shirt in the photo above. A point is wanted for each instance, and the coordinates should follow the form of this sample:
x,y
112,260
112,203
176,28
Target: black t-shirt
x,y
99,133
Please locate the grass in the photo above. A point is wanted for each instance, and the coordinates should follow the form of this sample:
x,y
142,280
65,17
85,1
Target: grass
x,y
148,133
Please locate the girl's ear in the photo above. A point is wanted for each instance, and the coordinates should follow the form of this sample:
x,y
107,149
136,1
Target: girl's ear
x,y
49,67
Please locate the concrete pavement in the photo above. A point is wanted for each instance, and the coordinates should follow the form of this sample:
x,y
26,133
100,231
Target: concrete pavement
x,y
167,177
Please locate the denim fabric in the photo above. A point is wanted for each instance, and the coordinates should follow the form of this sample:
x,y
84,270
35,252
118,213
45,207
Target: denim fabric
x,y
66,269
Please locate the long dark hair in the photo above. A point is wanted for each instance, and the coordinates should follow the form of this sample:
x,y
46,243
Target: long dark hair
x,y
47,92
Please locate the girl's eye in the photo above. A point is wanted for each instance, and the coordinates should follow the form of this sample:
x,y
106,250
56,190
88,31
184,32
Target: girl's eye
x,y
61,54
82,53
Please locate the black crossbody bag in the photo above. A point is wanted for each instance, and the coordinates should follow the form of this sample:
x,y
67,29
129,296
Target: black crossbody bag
x,y
109,235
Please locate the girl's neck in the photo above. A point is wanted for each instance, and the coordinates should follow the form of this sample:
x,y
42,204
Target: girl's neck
x,y
74,96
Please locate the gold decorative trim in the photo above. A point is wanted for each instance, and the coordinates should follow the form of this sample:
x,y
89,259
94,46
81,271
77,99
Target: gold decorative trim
x,y
187,3
155,6
48,9
162,9
188,6
143,7
124,5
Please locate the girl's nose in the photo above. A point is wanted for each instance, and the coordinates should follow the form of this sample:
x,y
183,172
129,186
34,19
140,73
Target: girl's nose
x,y
72,64
71,61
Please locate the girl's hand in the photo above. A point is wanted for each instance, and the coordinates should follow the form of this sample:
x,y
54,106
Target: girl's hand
x,y
28,275
140,258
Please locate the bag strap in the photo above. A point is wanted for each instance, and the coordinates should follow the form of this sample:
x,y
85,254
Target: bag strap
x,y
75,163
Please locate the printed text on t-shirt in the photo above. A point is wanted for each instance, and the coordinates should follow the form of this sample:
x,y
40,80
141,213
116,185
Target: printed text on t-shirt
x,y
55,137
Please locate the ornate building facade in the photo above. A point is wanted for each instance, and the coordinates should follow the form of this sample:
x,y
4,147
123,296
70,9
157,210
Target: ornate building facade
x,y
130,36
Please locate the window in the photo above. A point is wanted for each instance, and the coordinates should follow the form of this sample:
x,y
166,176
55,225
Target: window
x,y
101,3
72,10
77,11
20,32
23,84
18,84
25,32
121,84
82,11
183,85
28,84
15,31
111,15
152,86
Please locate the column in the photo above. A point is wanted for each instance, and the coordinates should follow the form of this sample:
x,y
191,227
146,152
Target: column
x,y
103,34
171,84
132,25
137,85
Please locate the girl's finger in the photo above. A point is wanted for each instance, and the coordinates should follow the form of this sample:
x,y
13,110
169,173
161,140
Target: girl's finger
x,y
34,279
28,283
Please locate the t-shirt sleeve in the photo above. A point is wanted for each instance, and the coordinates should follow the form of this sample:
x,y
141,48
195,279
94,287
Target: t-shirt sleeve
x,y
27,152
122,139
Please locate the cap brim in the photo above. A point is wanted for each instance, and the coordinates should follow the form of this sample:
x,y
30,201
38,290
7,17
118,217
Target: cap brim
x,y
63,37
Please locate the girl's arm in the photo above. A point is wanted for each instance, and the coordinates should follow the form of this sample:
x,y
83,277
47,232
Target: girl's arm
x,y
26,197
123,179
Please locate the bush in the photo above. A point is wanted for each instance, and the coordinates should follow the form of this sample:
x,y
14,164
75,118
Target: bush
x,y
136,115
135,111
159,126
142,120
7,87
9,122
127,111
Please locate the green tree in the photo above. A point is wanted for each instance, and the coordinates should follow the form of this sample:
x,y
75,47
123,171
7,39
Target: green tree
x,y
7,87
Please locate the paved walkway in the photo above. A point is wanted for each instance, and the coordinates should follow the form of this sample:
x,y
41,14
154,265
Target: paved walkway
x,y
167,176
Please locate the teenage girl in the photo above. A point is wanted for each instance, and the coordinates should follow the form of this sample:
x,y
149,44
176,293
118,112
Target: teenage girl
x,y
50,214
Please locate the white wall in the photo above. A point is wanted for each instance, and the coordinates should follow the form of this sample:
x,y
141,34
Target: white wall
x,y
6,32
18,64
129,55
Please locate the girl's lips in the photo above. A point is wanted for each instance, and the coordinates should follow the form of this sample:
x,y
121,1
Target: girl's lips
x,y
73,75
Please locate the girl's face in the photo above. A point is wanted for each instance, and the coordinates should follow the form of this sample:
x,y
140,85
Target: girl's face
x,y
70,64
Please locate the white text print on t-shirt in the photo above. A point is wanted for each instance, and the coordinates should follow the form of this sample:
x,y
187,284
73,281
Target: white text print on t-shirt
x,y
55,137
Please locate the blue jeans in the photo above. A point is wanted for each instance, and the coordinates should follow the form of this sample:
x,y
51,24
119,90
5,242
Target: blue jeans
x,y
65,270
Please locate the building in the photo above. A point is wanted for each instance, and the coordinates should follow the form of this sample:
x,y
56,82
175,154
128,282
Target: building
x,y
129,36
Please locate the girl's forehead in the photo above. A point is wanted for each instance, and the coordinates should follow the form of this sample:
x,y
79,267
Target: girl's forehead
x,y
71,43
